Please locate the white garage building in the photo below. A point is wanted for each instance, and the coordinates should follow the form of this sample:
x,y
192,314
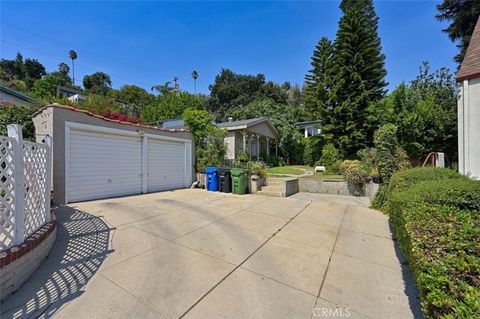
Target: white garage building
x,y
95,157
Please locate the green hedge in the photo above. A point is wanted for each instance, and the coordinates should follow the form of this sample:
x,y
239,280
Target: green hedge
x,y
404,179
435,216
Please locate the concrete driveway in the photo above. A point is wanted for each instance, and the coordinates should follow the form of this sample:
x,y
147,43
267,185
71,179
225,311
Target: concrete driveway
x,y
196,254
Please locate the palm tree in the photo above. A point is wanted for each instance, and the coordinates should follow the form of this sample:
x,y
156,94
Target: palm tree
x,y
162,89
176,87
195,77
73,56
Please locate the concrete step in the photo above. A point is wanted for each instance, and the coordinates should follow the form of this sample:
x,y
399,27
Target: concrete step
x,y
274,181
267,193
272,188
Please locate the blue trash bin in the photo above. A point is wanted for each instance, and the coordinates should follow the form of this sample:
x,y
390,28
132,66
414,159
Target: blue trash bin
x,y
212,179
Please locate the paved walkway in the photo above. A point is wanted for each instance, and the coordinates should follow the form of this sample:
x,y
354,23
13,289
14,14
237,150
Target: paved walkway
x,y
196,254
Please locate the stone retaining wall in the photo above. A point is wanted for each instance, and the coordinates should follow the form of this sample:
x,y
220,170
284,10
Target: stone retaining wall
x,y
335,187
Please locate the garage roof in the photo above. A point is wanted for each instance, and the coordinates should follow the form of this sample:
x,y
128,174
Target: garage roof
x,y
72,108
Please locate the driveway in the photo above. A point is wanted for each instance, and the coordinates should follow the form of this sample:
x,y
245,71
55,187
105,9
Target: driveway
x,y
197,254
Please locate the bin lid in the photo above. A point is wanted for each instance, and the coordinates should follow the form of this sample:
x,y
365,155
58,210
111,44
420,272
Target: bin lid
x,y
223,170
238,171
210,170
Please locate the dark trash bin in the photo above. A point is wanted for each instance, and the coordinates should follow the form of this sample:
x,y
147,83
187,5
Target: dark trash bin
x,y
211,179
224,180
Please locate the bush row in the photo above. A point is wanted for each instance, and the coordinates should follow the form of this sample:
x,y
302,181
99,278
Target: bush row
x,y
435,216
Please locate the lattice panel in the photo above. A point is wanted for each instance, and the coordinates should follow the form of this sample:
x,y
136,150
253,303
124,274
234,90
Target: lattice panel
x,y
35,172
7,182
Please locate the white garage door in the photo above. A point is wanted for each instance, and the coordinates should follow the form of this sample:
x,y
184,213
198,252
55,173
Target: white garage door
x,y
102,165
166,165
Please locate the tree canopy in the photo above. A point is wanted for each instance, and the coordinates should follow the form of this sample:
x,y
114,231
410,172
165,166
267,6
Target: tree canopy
x,y
231,90
424,112
133,97
19,69
463,15
98,82
346,77
171,106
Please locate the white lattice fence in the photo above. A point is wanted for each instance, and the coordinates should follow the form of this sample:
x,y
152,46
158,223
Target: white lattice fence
x,y
25,187
7,219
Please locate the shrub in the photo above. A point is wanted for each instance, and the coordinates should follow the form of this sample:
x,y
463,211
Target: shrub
x,y
17,115
312,150
330,159
403,162
214,152
435,217
354,172
242,157
355,175
256,168
404,179
346,164
122,117
368,156
275,161
386,144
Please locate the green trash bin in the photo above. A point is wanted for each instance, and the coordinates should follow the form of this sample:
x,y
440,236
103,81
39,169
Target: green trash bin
x,y
239,180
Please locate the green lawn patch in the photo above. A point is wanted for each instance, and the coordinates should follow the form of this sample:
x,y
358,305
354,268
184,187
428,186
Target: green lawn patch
x,y
284,170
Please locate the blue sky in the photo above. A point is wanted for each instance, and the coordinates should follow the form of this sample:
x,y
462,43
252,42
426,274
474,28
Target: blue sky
x,y
150,42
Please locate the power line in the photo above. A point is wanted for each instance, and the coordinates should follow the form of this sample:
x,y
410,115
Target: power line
x,y
56,58
66,45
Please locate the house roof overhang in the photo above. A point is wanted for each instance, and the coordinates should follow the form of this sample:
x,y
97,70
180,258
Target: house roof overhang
x,y
18,94
246,124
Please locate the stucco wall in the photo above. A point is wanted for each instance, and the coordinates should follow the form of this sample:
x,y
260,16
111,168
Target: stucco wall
x,y
52,120
229,141
469,127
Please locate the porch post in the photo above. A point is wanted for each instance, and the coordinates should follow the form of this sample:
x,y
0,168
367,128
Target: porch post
x,y
250,148
276,148
258,147
306,132
244,133
268,146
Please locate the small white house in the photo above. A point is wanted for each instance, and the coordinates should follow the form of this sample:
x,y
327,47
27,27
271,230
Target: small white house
x,y
468,80
253,137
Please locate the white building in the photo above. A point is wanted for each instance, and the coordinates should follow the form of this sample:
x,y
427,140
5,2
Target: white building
x,y
468,79
309,128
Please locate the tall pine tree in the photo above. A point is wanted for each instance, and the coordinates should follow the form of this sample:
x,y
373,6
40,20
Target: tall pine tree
x,y
359,77
318,81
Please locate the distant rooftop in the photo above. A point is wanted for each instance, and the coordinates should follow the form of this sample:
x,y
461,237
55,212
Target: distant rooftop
x,y
17,94
241,122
